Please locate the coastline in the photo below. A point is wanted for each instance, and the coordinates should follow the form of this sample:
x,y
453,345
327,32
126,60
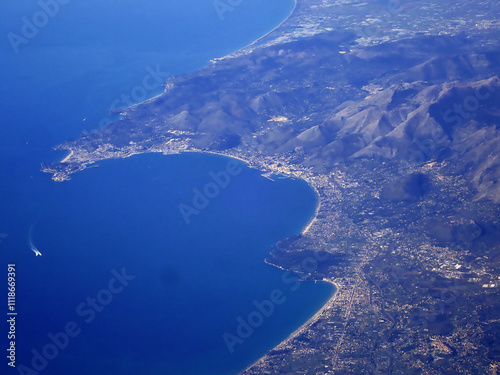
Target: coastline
x,y
316,316
316,212
214,60
65,160
318,196
241,50
304,326
328,304
295,3
359,249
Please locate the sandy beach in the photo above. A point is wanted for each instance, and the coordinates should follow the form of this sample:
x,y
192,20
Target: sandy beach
x,y
65,160
307,324
241,50
316,212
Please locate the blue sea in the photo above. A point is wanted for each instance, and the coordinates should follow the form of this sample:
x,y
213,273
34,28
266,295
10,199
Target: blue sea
x,y
125,284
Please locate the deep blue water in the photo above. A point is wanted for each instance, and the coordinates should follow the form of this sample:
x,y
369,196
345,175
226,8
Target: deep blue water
x,y
191,282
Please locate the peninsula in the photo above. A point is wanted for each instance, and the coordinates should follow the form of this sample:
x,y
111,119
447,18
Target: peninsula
x,y
391,112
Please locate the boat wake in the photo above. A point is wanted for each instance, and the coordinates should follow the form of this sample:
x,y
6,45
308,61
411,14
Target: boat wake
x,y
32,245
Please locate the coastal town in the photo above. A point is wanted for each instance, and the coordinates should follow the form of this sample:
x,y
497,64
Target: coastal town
x,y
408,217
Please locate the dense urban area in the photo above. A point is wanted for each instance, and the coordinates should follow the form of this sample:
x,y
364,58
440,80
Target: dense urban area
x,y
390,111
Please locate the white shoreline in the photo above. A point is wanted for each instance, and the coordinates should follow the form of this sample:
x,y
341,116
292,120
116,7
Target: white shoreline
x,y
316,212
65,160
306,325
331,300
295,2
67,157
235,53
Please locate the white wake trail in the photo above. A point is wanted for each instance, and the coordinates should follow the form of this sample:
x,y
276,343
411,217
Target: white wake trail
x,y
32,245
